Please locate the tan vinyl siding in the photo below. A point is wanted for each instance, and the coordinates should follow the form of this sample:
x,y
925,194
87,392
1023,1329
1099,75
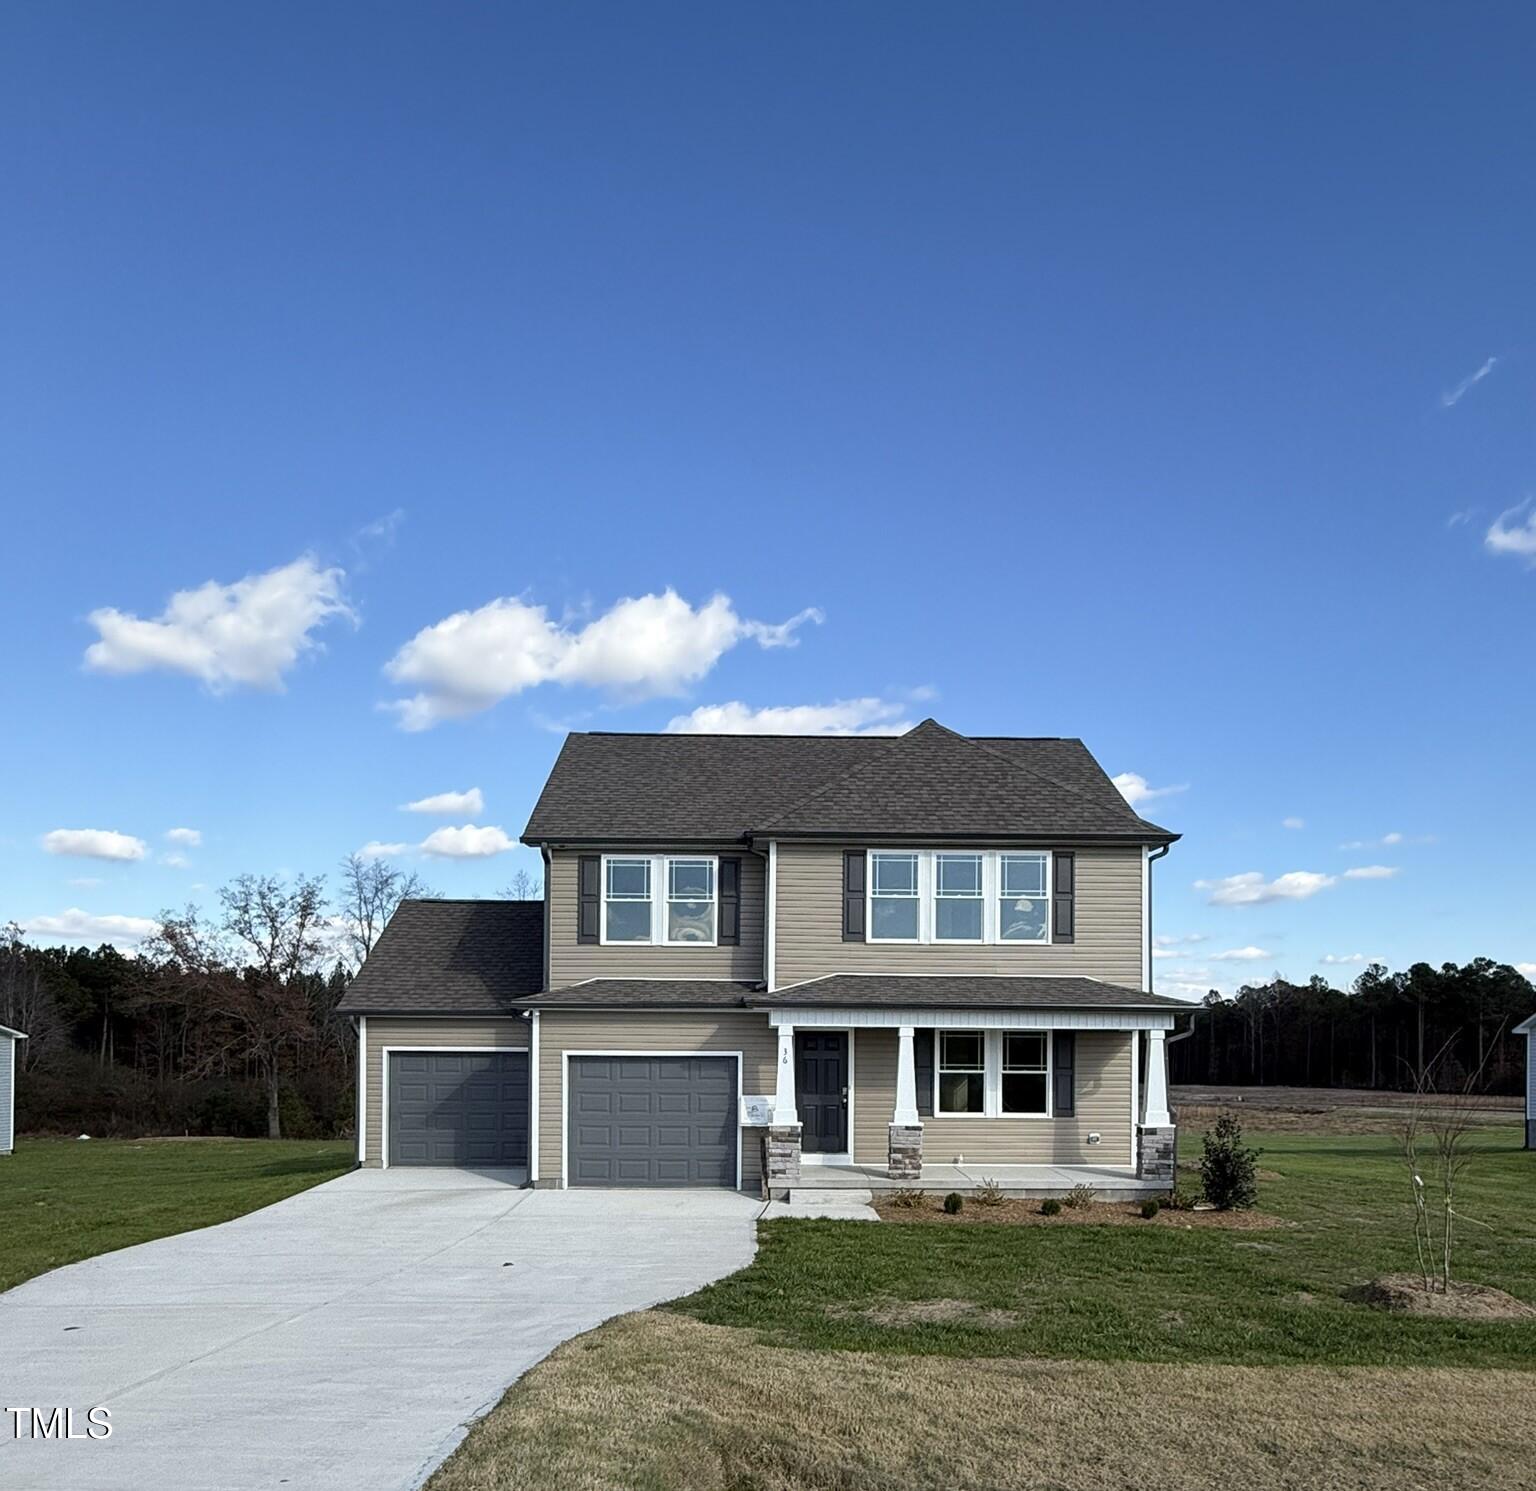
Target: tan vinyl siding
x,y
809,920
1103,1105
570,961
639,1030
448,1032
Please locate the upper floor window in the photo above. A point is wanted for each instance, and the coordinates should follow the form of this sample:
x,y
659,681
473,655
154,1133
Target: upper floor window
x,y
659,898
627,900
690,900
949,895
895,904
1022,911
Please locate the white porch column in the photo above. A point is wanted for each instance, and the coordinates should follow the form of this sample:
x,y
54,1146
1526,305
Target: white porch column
x,y
784,1087
1156,1114
906,1081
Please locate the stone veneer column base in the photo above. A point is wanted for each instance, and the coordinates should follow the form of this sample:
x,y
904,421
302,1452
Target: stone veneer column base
x,y
1157,1154
781,1157
906,1152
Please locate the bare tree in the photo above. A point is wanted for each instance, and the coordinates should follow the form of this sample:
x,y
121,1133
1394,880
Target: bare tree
x,y
246,974
25,1001
524,887
371,891
1435,1138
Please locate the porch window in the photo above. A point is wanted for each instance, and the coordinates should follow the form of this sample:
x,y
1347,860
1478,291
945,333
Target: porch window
x,y
957,898
894,899
627,901
1026,1073
962,1072
1022,898
691,900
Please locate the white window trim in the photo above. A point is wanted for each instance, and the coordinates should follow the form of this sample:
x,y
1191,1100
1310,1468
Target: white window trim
x,y
991,899
660,885
992,1079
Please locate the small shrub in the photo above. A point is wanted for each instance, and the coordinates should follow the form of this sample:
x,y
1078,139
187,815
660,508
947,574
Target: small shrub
x,y
1180,1200
988,1193
1050,1207
907,1196
1150,1207
1227,1167
1080,1196
953,1202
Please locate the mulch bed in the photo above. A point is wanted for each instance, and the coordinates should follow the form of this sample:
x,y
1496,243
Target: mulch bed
x,y
1405,1294
1022,1213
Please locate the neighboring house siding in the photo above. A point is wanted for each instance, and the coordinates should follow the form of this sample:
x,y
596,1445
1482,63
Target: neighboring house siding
x,y
570,961
808,916
1103,1105
639,1030
450,1033
7,1092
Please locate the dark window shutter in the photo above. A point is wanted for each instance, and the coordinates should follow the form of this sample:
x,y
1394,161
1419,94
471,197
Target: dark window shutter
x,y
730,902
589,898
922,1065
1064,1075
1064,897
853,895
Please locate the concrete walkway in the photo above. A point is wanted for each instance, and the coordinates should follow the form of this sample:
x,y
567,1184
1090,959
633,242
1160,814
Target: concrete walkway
x,y
340,1339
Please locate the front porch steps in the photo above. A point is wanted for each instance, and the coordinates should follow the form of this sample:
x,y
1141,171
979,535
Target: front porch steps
x,y
830,1195
859,1184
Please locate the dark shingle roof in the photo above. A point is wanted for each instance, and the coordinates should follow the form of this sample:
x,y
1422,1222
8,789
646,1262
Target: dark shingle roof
x,y
452,957
1021,991
929,782
655,993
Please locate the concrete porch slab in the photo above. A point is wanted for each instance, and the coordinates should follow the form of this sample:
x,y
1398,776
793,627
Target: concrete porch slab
x,y
1112,1183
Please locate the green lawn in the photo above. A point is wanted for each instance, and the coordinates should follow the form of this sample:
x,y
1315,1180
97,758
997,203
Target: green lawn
x,y
62,1200
1157,1293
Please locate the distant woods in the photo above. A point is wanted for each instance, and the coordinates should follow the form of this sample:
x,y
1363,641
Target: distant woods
x,y
1386,1031
224,1022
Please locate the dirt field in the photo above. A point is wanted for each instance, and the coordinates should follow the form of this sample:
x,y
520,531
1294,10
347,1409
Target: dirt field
x,y
1323,1110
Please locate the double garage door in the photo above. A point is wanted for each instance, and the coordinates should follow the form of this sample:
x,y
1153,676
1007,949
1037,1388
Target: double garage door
x,y
652,1121
465,1108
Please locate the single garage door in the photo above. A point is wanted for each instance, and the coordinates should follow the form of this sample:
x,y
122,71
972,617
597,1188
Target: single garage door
x,y
458,1108
652,1121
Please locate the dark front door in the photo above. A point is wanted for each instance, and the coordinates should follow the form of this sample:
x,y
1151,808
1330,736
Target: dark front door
x,y
821,1091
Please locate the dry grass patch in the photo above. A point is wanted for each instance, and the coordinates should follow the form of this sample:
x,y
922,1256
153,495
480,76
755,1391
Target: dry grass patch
x,y
900,1312
656,1401
1023,1213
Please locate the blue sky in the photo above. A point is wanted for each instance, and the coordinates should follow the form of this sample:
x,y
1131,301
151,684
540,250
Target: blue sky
x,y
1164,378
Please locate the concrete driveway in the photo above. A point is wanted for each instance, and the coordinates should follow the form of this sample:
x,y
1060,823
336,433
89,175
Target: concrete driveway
x,y
342,1338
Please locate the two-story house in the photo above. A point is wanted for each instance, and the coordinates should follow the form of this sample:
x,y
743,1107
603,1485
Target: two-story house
x,y
760,954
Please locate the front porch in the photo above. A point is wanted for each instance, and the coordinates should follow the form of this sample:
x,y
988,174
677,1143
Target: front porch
x,y
1109,1182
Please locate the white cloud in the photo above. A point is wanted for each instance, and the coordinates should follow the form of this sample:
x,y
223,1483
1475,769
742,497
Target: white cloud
x,y
94,843
645,646
1169,952
1336,960
1463,515
842,717
175,861
1453,396
467,842
1249,954
1371,872
1135,789
76,925
1293,823
373,849
1252,889
1185,989
86,882
1518,539
1528,969
246,634
1389,841
191,837
471,802
1166,940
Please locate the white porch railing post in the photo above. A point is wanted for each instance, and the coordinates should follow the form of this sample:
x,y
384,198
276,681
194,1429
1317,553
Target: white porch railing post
x,y
784,1087
906,1080
1156,1114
